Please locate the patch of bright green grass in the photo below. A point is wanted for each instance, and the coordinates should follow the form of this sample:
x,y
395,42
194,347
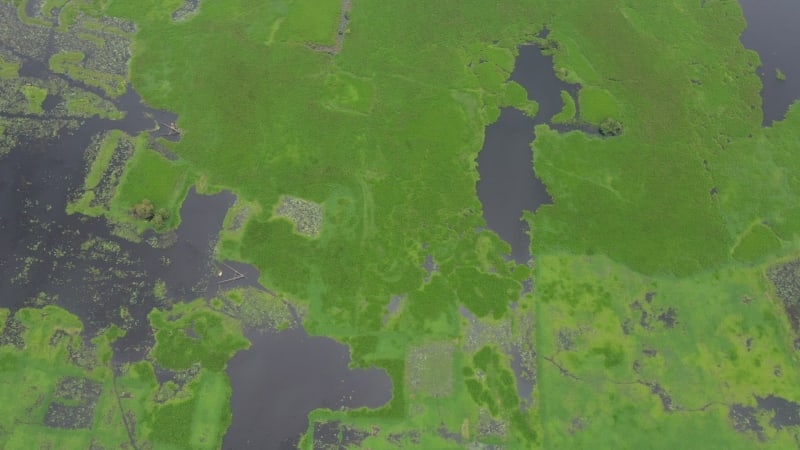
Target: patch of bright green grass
x,y
517,96
192,334
639,348
149,175
71,64
98,170
61,393
102,159
311,21
596,105
198,421
757,242
756,181
35,96
346,92
567,113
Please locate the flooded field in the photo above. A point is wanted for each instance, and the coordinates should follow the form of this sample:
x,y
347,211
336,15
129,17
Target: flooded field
x,y
283,377
297,257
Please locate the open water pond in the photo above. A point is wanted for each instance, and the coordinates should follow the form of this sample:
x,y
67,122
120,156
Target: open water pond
x,y
773,31
287,374
74,261
508,185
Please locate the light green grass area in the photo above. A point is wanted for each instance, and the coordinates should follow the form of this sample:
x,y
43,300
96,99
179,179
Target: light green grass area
x,y
756,181
102,159
310,21
61,392
35,96
651,317
517,96
756,243
255,309
658,354
106,160
597,105
567,113
8,69
87,104
71,64
150,176
346,92
397,184
191,334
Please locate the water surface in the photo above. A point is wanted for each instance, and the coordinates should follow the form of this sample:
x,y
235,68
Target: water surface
x,y
773,30
508,185
283,377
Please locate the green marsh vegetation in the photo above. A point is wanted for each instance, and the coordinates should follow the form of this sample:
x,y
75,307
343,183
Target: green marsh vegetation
x,y
567,114
397,184
8,69
652,322
131,184
74,396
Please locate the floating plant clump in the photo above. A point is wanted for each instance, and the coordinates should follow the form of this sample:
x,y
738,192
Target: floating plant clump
x,y
306,216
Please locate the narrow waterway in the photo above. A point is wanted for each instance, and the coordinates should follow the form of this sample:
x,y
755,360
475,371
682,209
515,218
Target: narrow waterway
x,y
508,185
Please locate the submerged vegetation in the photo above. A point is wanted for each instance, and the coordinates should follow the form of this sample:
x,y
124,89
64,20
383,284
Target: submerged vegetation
x,y
663,310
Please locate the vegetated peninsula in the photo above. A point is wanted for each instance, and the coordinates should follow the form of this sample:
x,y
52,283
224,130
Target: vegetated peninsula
x,y
658,310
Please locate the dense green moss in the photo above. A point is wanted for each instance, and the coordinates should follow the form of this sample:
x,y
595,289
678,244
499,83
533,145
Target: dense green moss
x,y
567,113
191,334
384,133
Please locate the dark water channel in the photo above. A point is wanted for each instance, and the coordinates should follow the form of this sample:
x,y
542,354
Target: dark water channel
x,y
508,185
773,30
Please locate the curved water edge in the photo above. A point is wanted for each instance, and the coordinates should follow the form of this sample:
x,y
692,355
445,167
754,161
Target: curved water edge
x,y
508,185
283,377
773,31
77,263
